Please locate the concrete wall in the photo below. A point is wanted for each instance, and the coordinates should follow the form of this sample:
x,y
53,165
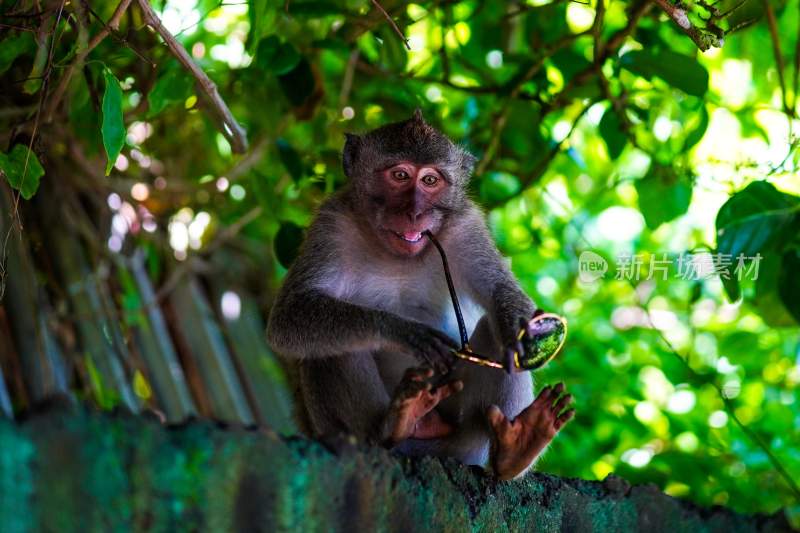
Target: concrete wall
x,y
66,469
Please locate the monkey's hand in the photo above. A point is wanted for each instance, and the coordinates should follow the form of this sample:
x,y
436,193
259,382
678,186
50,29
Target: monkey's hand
x,y
411,413
431,347
517,443
512,342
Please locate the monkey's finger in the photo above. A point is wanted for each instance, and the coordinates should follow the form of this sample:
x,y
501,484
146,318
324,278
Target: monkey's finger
x,y
498,421
544,395
445,364
523,325
448,389
508,362
562,402
520,348
420,373
564,418
559,388
431,359
411,389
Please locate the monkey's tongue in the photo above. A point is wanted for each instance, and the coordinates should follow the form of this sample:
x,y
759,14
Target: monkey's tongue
x,y
412,236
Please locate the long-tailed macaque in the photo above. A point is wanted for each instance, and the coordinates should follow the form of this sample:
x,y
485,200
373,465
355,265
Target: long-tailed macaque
x,y
365,312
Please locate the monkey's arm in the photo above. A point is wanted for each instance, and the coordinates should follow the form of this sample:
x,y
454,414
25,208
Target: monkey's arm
x,y
312,324
490,278
307,322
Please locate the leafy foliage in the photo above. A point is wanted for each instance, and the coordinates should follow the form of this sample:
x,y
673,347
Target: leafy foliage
x,y
663,196
599,127
680,71
113,129
22,170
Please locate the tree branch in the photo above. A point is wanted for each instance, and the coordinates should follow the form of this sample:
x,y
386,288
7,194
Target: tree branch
x,y
528,180
347,79
729,407
81,55
392,22
499,123
704,40
614,42
228,125
256,153
776,50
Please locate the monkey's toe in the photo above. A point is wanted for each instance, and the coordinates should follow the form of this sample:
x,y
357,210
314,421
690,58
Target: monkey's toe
x,y
518,443
411,413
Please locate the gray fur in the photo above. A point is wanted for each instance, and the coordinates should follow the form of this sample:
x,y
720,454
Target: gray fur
x,y
354,317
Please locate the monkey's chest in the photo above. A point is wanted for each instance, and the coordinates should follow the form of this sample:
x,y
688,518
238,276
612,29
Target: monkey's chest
x,y
422,298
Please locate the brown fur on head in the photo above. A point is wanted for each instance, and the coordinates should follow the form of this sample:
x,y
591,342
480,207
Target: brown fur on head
x,y
410,140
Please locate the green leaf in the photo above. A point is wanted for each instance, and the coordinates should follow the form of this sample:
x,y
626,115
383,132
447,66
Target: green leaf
x,y
569,62
745,14
113,128
767,300
789,283
663,196
549,24
174,86
22,169
315,9
696,134
734,344
522,135
290,159
262,15
611,130
287,243
298,84
731,285
754,220
13,47
681,71
498,186
277,57
393,53
751,128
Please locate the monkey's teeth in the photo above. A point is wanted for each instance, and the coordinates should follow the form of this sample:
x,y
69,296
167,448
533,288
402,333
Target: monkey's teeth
x,y
410,236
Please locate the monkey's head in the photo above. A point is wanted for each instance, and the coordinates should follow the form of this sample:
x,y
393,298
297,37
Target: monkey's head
x,y
408,178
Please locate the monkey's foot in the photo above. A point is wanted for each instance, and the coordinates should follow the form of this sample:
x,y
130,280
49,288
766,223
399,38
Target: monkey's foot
x,y
518,443
411,413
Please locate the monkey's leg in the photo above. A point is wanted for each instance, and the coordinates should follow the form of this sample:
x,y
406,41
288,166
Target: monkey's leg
x,y
518,442
344,394
471,439
411,413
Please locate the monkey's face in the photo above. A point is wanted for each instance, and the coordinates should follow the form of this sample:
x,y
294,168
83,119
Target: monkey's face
x,y
408,199
407,177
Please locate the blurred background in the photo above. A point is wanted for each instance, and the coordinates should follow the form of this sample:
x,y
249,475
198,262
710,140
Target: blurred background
x,y
637,163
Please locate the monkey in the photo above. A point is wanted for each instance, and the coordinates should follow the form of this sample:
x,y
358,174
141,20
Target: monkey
x,y
364,312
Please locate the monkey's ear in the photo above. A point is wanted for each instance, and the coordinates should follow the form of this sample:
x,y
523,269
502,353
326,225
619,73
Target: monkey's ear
x,y
352,145
417,116
468,162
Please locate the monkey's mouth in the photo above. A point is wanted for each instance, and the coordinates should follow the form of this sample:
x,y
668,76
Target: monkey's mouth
x,y
409,236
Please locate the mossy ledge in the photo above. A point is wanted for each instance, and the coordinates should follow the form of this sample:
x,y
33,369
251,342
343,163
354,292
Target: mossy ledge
x,y
72,469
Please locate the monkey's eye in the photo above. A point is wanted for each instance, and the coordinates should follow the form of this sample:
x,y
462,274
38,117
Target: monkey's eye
x,y
430,180
400,175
